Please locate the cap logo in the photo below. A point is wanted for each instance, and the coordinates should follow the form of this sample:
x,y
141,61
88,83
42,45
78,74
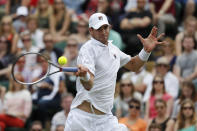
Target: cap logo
x,y
100,17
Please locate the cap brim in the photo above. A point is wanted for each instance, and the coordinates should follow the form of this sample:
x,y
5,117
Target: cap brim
x,y
98,25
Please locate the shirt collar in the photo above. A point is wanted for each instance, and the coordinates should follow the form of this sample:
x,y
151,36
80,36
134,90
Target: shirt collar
x,y
99,43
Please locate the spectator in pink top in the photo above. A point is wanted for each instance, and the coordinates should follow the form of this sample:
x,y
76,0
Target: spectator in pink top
x,y
17,105
158,92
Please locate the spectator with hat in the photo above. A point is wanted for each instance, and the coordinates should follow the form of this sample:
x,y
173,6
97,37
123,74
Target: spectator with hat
x,y
170,80
21,16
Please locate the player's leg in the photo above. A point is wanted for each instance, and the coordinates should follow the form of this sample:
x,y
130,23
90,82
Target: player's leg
x,y
110,123
79,120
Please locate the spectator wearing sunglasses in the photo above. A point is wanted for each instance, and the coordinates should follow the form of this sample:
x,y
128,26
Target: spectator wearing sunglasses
x,y
161,119
127,92
186,119
71,53
133,120
158,92
187,91
171,82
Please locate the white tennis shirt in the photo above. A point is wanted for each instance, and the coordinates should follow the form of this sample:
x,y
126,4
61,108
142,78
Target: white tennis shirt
x,y
104,62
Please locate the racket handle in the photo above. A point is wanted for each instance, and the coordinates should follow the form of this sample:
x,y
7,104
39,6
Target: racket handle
x,y
69,69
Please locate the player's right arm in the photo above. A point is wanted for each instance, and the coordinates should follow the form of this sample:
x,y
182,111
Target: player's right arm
x,y
86,77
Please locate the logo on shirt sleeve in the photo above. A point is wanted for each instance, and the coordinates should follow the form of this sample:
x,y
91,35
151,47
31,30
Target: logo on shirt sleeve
x,y
114,56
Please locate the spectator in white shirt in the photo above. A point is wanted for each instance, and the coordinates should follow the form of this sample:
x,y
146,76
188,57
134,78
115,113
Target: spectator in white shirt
x,y
60,117
170,80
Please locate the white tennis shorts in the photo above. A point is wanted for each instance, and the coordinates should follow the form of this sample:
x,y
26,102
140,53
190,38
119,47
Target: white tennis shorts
x,y
79,120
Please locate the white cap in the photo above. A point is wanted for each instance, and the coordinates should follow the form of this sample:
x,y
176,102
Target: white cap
x,y
22,10
97,20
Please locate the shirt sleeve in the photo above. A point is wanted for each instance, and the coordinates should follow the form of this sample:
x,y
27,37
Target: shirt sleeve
x,y
124,58
86,58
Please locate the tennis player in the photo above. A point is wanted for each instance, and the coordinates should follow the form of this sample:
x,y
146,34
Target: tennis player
x,y
98,62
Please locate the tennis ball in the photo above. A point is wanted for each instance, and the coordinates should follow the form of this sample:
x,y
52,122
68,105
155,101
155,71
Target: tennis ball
x,y
62,60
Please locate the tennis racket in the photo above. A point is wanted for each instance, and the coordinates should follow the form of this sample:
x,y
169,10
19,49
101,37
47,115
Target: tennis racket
x,y
31,68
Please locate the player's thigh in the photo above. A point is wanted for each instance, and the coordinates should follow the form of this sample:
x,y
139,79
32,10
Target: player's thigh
x,y
115,126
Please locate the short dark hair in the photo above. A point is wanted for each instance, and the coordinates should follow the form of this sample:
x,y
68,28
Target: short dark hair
x,y
134,100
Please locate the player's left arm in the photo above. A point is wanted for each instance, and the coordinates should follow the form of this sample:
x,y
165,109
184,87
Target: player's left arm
x,y
149,45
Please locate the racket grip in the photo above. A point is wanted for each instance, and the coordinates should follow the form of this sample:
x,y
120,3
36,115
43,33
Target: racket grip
x,y
69,69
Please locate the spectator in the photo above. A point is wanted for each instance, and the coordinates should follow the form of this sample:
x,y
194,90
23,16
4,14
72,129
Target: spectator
x,y
60,117
187,7
74,6
34,4
141,79
54,52
158,92
60,21
82,34
171,82
46,99
186,119
161,119
127,90
17,105
27,43
36,126
133,120
8,30
188,91
163,13
43,14
105,7
169,52
5,60
71,53
190,24
186,64
132,4
137,21
154,127
36,33
21,17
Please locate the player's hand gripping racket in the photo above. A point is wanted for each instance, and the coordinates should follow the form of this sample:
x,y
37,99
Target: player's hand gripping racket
x,y
35,67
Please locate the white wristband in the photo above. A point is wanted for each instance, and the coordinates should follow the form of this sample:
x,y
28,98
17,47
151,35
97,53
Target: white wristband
x,y
86,77
143,55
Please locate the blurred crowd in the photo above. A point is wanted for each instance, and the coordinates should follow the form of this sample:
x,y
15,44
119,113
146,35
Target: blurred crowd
x,y
161,96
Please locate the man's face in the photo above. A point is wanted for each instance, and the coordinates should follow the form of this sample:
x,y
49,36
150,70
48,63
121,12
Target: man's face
x,y
32,25
101,34
162,69
66,103
188,44
141,4
48,41
134,109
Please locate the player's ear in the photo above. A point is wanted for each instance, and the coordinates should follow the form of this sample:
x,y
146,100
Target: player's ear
x,y
110,27
90,30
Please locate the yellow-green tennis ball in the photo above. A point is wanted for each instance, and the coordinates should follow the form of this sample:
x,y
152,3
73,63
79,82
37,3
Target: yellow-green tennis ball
x,y
62,60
